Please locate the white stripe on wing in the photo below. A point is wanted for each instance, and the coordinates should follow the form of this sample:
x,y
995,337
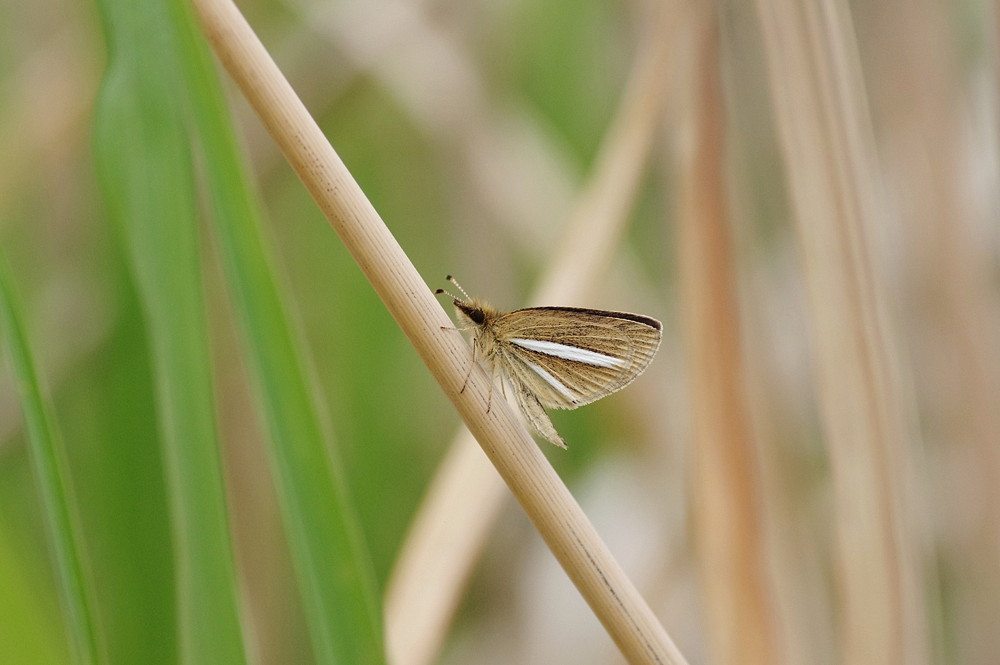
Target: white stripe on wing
x,y
567,352
551,380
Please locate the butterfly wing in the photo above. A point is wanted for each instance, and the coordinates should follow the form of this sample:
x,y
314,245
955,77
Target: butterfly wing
x,y
568,356
534,413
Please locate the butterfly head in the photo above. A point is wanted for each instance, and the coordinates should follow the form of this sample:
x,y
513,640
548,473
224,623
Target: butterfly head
x,y
473,310
470,310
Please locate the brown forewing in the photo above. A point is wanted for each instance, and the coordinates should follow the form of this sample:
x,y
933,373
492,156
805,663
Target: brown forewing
x,y
630,337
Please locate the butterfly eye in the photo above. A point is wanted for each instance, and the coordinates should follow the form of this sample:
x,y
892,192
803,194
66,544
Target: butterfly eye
x,y
476,314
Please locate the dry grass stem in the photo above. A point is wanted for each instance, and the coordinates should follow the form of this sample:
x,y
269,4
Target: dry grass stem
x,y
951,289
441,547
515,455
821,115
447,536
596,223
741,617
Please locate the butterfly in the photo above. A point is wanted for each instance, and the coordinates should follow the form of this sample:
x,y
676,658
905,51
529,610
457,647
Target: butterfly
x,y
557,357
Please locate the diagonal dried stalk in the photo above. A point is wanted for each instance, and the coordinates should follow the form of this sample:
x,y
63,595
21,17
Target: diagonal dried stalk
x,y
822,121
514,454
452,524
740,613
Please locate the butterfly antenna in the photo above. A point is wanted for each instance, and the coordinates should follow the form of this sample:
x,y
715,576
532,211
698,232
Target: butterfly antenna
x,y
438,292
455,282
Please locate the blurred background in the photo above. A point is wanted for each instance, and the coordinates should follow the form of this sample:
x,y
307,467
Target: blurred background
x,y
476,129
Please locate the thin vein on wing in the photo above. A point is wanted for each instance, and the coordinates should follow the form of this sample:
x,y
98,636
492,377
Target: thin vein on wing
x,y
567,352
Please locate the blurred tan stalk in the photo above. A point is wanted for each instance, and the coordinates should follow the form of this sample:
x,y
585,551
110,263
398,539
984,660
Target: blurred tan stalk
x,y
741,618
451,525
934,139
823,126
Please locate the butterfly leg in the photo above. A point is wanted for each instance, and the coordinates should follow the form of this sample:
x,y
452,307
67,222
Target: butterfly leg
x,y
457,329
494,370
471,366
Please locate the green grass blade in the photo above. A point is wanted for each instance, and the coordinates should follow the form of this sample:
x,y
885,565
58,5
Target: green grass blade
x,y
50,467
148,181
26,632
333,569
